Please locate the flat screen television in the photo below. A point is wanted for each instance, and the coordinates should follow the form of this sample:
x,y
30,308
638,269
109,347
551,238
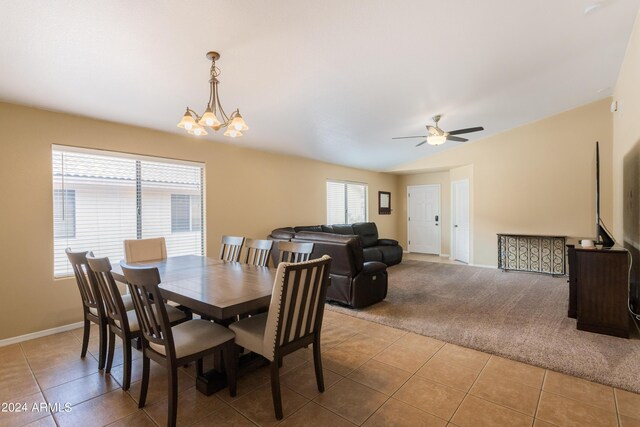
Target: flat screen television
x,y
602,235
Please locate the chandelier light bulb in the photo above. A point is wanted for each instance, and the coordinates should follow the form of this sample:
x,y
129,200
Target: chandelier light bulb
x,y
198,131
232,132
209,119
187,121
238,123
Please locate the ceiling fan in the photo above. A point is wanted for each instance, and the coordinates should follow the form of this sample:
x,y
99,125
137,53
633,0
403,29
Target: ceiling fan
x,y
437,136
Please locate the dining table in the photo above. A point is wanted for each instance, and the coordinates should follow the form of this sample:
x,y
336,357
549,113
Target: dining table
x,y
216,290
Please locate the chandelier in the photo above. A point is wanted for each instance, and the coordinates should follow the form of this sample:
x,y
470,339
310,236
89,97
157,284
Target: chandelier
x,y
214,116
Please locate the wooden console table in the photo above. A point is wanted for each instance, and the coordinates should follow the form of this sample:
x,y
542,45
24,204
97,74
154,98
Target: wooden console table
x,y
538,254
598,290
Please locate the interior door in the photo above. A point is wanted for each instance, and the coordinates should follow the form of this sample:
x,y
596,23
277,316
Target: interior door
x,y
461,220
423,203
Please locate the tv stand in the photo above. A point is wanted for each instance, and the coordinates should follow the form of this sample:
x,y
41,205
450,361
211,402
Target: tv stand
x,y
598,289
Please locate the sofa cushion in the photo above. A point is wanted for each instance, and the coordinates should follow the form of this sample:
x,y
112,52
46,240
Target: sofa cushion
x,y
285,233
391,255
368,232
372,254
317,228
344,229
327,228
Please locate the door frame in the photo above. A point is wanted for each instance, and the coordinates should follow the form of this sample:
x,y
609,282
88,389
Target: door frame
x,y
409,187
453,213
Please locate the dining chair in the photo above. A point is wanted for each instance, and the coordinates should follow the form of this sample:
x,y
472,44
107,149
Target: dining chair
x,y
174,346
121,320
230,248
141,250
294,251
258,252
92,306
293,321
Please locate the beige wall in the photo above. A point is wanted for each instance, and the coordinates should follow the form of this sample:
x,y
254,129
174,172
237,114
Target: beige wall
x,y
538,178
626,134
248,192
441,178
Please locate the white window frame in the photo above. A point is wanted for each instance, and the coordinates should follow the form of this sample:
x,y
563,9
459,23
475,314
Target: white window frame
x,y
346,196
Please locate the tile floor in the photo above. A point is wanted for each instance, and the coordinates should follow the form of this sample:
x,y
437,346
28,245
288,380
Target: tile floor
x,y
374,375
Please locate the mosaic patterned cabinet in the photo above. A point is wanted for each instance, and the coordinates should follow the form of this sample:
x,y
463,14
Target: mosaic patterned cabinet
x,y
538,254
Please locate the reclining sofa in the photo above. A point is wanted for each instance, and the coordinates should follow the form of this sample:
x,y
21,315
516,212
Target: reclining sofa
x,y
358,274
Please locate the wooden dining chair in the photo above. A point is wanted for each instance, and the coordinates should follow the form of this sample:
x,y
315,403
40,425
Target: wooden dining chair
x,y
230,248
121,320
258,252
294,251
141,250
293,321
92,306
174,346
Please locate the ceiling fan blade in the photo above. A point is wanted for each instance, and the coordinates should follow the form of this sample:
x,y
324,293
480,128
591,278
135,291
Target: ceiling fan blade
x,y
456,138
434,130
468,130
405,137
421,143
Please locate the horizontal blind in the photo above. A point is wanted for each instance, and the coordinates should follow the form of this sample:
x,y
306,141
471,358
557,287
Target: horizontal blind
x,y
336,202
100,200
167,207
346,202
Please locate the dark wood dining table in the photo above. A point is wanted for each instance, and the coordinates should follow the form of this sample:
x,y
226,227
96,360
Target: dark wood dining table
x,y
210,287
214,289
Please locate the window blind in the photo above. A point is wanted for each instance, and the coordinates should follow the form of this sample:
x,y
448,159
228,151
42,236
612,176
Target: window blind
x,y
101,199
346,202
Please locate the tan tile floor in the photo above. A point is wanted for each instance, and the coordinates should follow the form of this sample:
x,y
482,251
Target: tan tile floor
x,y
374,375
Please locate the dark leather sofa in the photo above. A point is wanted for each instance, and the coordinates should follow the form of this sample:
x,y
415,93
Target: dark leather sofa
x,y
387,251
355,280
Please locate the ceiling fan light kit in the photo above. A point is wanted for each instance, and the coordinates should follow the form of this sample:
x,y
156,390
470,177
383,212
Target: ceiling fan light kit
x,y
437,136
214,116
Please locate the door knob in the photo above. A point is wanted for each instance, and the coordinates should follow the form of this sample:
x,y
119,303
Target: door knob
x,y
456,225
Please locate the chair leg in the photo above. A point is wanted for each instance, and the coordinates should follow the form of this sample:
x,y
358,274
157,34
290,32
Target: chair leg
x,y
85,337
230,358
275,389
145,381
103,346
110,351
126,353
317,363
200,367
173,394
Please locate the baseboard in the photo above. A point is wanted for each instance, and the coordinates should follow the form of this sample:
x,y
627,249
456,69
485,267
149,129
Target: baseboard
x,y
33,335
493,267
445,255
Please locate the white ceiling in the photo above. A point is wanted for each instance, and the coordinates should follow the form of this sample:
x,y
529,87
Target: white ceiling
x,y
332,80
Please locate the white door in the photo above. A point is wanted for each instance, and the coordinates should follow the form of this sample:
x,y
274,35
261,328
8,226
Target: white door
x,y
460,220
423,203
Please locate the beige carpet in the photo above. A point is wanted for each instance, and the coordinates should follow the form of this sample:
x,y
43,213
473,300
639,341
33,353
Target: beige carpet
x,y
521,316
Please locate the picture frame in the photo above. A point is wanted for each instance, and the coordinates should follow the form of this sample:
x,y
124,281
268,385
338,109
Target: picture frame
x,y
384,203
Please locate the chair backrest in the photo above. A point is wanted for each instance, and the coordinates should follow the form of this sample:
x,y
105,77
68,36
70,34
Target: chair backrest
x,y
258,252
294,251
85,280
141,250
297,303
152,318
109,292
230,248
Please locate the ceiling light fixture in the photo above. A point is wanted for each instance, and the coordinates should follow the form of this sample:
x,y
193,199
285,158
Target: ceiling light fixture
x,y
214,116
436,139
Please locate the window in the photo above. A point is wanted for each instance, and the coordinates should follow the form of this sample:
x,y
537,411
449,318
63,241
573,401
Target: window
x,y
102,198
185,213
346,202
64,214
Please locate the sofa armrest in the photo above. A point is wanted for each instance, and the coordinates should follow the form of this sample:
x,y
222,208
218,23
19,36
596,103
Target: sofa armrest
x,y
387,242
372,267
